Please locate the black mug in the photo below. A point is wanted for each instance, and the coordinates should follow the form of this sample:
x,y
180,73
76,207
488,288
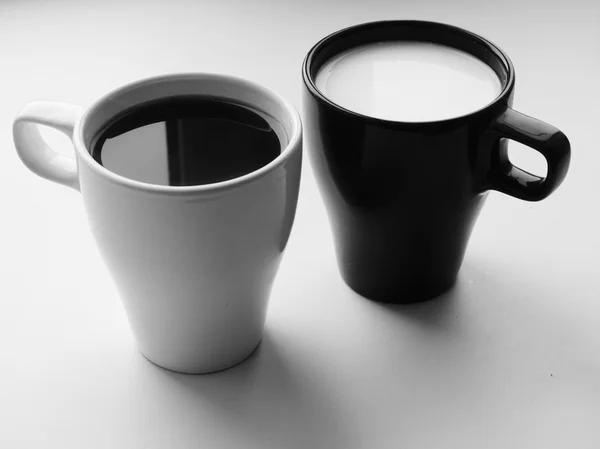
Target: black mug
x,y
403,197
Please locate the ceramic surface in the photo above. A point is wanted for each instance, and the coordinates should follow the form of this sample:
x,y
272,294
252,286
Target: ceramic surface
x,y
403,198
194,265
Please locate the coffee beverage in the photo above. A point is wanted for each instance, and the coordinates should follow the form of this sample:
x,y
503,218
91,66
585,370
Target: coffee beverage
x,y
193,259
188,140
408,81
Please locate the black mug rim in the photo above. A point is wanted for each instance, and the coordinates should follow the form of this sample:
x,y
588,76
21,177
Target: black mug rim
x,y
354,30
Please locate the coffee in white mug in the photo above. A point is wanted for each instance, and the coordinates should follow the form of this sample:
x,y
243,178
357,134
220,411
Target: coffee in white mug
x,y
190,183
408,81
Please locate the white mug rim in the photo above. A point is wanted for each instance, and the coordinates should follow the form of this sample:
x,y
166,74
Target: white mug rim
x,y
293,144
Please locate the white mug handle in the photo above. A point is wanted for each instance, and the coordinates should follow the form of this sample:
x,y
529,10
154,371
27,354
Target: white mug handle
x,y
34,152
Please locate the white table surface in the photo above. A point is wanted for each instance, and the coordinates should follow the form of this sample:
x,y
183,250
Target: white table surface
x,y
510,358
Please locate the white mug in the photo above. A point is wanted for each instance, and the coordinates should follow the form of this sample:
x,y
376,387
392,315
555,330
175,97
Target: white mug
x,y
193,265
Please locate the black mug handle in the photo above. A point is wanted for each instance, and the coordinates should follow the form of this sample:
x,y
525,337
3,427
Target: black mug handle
x,y
548,140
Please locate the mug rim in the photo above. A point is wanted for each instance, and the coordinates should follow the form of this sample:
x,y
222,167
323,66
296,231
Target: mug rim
x,y
293,143
503,97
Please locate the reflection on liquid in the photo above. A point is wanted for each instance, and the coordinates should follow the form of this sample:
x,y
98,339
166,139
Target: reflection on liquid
x,y
145,159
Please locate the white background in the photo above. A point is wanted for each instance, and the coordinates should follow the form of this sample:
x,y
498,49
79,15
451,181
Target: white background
x,y
510,358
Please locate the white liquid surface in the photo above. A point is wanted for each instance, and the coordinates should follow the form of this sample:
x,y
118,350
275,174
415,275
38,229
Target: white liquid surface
x,y
408,81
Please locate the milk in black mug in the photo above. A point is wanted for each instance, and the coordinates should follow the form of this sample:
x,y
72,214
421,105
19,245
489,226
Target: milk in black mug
x,y
406,124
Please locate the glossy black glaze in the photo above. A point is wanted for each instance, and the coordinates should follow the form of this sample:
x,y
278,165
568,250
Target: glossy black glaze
x,y
403,198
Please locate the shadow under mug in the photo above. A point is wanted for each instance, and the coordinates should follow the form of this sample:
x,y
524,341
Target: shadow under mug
x,y
402,198
194,265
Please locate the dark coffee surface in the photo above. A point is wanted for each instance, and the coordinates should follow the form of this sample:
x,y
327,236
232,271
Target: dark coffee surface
x,y
187,140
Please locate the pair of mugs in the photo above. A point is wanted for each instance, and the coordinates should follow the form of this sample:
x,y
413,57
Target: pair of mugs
x,y
194,265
